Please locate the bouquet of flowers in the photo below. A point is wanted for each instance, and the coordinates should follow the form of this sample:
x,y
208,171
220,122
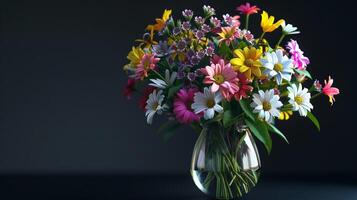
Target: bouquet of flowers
x,y
201,69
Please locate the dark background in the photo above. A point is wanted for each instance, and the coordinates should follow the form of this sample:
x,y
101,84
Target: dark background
x,y
61,79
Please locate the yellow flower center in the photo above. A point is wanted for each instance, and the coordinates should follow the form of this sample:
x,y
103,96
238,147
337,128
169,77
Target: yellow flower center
x,y
299,100
155,105
266,106
219,78
210,103
146,64
249,62
278,67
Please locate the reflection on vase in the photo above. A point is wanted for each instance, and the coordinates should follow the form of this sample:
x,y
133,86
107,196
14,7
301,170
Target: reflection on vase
x,y
225,163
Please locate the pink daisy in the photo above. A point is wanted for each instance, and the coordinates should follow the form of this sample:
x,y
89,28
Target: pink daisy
x,y
182,106
222,77
247,9
228,34
147,63
244,87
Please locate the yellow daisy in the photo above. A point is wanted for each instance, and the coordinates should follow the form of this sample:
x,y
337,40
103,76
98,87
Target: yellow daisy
x,y
246,61
134,56
267,22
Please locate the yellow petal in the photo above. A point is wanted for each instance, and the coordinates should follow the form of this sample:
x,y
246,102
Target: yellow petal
x,y
236,61
264,19
243,68
248,74
239,54
256,71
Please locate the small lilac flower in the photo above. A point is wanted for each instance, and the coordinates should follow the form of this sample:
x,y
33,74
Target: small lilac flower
x,y
231,21
216,23
191,76
162,49
199,20
199,34
208,11
186,25
176,30
181,74
190,53
247,35
201,54
194,60
181,45
209,51
187,14
205,28
317,85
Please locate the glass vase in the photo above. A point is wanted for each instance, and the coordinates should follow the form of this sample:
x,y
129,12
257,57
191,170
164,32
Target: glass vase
x,y
225,162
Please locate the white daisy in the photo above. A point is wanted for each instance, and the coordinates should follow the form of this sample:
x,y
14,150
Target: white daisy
x,y
153,105
162,84
277,65
289,29
207,102
266,104
300,99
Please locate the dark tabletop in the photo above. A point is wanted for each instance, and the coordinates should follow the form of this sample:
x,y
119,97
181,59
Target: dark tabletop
x,y
163,187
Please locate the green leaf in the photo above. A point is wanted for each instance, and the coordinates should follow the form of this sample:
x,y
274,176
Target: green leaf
x,y
246,108
305,73
229,118
272,128
314,120
168,129
260,131
173,90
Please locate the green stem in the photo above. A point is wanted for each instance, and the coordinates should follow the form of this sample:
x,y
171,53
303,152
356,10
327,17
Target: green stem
x,y
280,40
316,95
246,22
261,38
158,74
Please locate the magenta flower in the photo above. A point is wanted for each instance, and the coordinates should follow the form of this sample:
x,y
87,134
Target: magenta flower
x,y
299,60
182,106
222,77
247,9
330,91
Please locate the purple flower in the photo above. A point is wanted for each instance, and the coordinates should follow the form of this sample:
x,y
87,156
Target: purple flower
x,y
231,21
162,49
300,61
176,30
208,11
209,51
194,60
199,34
205,28
201,54
199,20
187,14
181,74
186,25
216,23
191,76
181,45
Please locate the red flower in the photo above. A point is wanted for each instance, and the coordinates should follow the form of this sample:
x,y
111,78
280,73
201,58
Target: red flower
x,y
129,88
142,101
247,9
244,87
330,91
